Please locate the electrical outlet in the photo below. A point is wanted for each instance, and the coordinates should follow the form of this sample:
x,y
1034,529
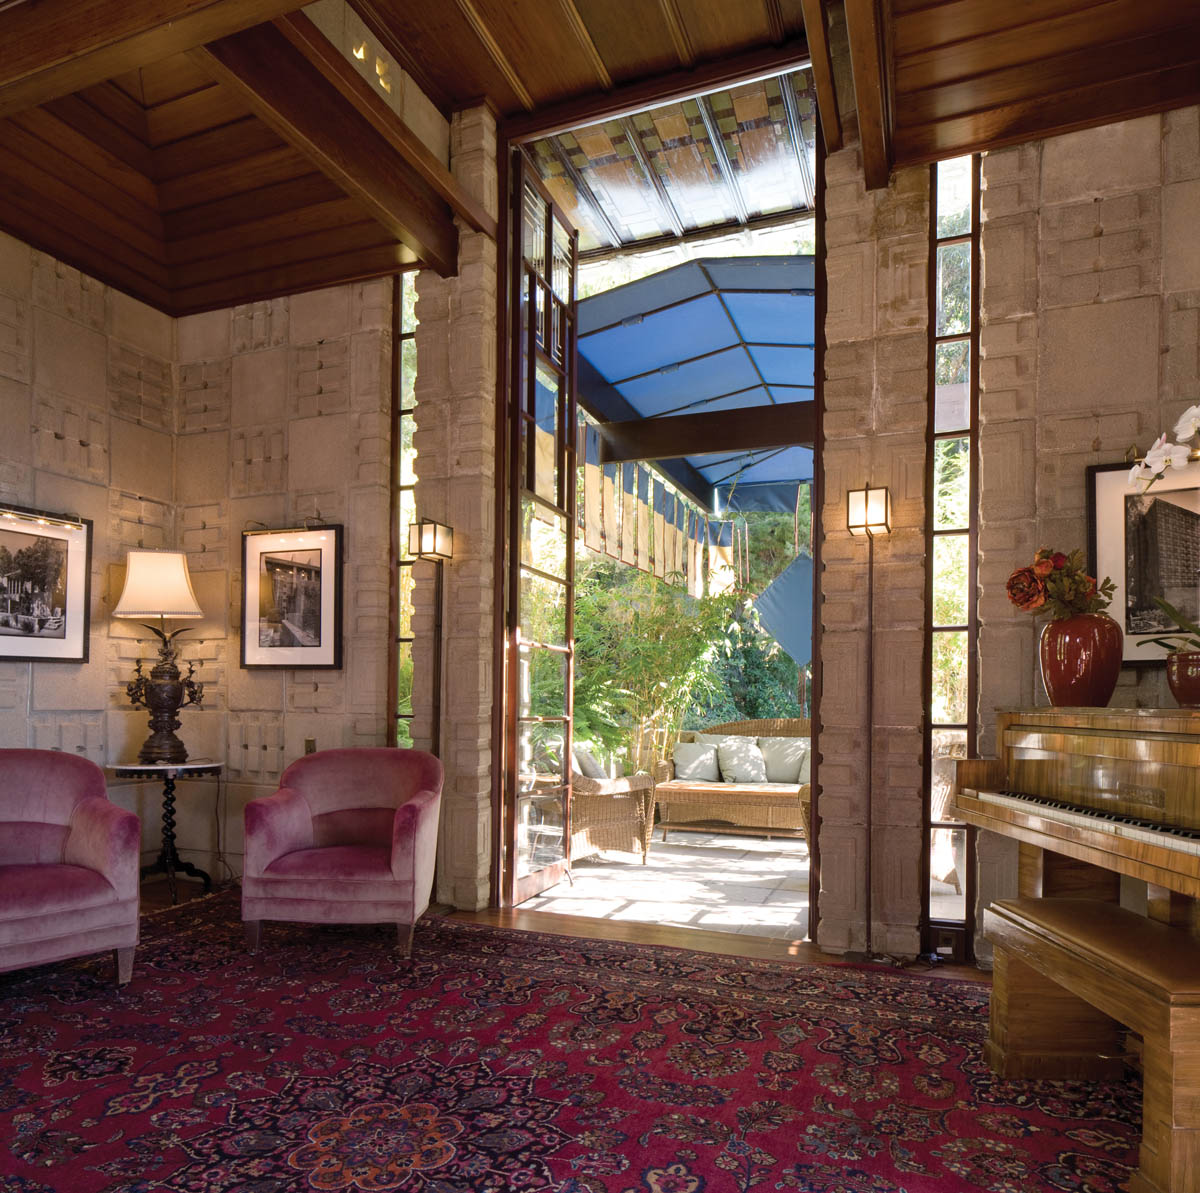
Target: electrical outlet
x,y
310,745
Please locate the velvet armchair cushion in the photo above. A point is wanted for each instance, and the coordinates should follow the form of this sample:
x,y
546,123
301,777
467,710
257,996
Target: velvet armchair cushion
x,y
68,862
349,837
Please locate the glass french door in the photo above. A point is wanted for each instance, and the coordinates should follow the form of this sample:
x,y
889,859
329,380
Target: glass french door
x,y
539,641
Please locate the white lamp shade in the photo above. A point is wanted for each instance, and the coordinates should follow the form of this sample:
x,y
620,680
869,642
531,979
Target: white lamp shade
x,y
869,511
431,540
157,584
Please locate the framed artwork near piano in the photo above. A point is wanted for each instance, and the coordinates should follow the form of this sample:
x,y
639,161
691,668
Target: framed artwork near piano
x,y
1148,541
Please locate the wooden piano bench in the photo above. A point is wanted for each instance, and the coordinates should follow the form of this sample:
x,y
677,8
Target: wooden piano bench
x,y
1068,973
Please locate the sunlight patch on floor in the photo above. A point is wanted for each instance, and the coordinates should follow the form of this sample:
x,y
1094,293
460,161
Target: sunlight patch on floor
x,y
725,883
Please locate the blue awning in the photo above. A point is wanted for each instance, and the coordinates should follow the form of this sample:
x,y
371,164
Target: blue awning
x,y
785,609
729,333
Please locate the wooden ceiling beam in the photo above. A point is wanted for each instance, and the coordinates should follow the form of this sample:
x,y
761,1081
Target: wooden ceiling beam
x,y
579,28
708,432
678,31
57,47
865,31
669,88
310,113
817,33
480,28
323,55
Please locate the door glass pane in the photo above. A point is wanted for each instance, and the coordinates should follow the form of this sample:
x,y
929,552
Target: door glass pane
x,y
543,610
947,874
951,484
950,579
953,289
949,677
535,230
949,745
408,303
951,386
406,595
539,830
545,434
954,197
544,538
543,683
540,745
404,681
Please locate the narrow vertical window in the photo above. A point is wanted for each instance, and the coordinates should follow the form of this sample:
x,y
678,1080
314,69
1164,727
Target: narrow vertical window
x,y
952,490
405,364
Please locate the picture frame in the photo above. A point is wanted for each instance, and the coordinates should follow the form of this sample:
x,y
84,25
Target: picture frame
x,y
45,586
1147,540
292,598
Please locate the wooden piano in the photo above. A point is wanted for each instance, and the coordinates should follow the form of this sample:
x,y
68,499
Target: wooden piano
x,y
1091,795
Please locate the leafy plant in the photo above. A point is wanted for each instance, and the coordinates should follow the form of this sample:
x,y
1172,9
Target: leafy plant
x,y
1188,637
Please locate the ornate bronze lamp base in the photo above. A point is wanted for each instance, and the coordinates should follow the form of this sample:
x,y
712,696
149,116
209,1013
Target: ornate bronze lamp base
x,y
163,692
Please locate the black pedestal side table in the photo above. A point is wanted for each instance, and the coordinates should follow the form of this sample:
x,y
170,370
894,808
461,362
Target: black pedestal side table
x,y
168,861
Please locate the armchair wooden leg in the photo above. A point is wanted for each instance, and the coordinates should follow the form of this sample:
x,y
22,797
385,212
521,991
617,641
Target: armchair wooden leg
x,y
253,930
123,959
404,938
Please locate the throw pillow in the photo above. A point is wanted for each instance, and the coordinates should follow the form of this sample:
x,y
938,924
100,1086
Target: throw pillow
x,y
696,762
589,767
785,757
719,739
742,762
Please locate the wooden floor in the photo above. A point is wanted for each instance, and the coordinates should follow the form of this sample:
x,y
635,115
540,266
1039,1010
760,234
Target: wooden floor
x,y
698,939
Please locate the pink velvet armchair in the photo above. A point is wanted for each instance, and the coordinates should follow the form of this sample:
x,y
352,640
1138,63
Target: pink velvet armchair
x,y
349,838
68,863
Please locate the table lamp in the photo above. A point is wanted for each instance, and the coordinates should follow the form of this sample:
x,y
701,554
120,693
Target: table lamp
x,y
157,584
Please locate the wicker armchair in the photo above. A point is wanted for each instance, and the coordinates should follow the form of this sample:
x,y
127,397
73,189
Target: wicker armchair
x,y
735,807
611,814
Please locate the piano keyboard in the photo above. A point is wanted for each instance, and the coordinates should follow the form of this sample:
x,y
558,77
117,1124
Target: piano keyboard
x,y
1128,828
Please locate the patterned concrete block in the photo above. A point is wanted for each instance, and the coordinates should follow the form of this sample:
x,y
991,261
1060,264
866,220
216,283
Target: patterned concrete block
x,y
371,371
315,691
14,705
72,732
1010,267
67,292
14,337
16,419
255,745
258,460
203,337
1181,267
1012,180
140,387
851,293
139,326
204,535
319,315
1181,144
1100,161
318,449
75,687
135,521
205,395
70,436
141,459
259,387
320,379
259,325
1181,344
371,305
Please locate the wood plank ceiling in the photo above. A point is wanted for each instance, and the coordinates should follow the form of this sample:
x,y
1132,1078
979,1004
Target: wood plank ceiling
x,y
199,153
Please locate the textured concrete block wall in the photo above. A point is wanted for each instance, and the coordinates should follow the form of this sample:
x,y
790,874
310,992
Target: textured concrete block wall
x,y
1090,343
456,477
182,434
876,381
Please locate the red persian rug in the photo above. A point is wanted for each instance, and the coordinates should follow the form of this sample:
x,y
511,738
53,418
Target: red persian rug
x,y
499,1060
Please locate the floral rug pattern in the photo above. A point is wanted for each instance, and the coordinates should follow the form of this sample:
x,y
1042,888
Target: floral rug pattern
x,y
499,1061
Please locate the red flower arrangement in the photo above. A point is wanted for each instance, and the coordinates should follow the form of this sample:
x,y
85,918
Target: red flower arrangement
x,y
1057,584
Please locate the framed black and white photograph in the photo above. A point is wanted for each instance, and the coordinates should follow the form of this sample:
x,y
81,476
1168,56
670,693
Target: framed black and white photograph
x,y
1148,541
292,597
45,586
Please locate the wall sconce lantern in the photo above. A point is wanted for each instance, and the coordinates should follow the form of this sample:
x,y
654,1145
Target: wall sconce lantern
x,y
431,540
157,584
428,539
869,511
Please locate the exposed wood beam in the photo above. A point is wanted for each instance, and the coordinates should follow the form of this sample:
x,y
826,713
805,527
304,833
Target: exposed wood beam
x,y
636,97
678,31
817,34
584,38
775,20
57,47
287,92
323,55
864,29
497,55
708,432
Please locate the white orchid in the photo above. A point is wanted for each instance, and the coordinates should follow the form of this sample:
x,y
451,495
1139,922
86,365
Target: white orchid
x,y
1164,455
1188,424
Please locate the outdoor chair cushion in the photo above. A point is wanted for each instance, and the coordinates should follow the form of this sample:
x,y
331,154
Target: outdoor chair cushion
x,y
741,762
587,764
785,757
696,762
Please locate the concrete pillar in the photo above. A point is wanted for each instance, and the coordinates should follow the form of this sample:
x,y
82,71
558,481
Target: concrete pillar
x,y
456,470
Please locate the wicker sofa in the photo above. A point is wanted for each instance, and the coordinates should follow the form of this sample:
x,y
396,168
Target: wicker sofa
x,y
771,810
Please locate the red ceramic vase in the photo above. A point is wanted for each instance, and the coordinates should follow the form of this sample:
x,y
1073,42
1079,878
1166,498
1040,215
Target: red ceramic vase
x,y
1081,659
1183,676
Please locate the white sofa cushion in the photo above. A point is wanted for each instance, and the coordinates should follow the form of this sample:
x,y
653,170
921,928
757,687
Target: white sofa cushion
x,y
587,764
696,762
741,761
786,758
